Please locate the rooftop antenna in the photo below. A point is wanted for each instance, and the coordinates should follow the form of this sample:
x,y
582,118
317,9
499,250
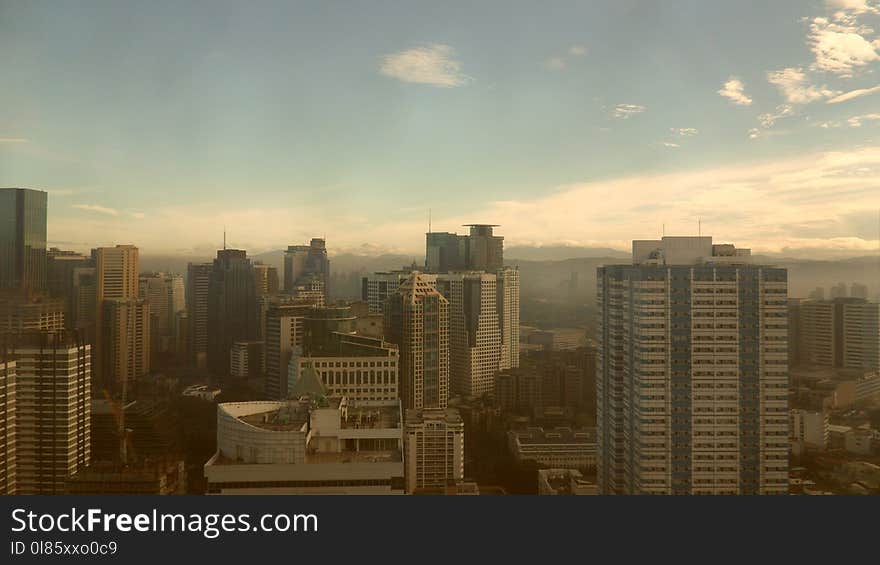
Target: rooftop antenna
x,y
224,238
699,226
663,231
429,220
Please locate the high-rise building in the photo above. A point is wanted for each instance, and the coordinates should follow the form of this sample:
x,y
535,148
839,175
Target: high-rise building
x,y
166,295
265,280
7,424
474,331
232,307
508,316
198,281
52,412
246,359
692,372
434,443
417,321
480,250
22,313
62,267
116,269
23,239
284,336
303,260
125,339
377,287
842,332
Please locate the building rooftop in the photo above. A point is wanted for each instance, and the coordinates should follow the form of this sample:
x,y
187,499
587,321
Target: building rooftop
x,y
540,436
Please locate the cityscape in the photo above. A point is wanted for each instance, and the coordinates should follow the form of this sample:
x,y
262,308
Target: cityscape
x,y
469,250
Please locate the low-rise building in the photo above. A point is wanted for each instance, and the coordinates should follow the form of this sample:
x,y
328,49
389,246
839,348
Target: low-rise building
x,y
564,482
434,449
564,448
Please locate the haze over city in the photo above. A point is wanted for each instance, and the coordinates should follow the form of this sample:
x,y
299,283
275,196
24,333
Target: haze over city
x,y
582,125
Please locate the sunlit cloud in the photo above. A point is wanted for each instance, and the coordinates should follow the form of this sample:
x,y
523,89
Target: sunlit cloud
x,y
792,83
840,46
431,64
624,111
858,93
96,208
734,90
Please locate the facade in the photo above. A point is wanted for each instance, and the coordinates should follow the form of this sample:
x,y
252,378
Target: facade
x,y
304,261
284,335
125,355
61,272
8,457
692,372
562,448
507,306
265,280
23,239
313,445
52,412
166,295
116,270
198,281
23,313
480,250
359,368
417,321
842,332
434,443
232,307
246,359
809,429
377,287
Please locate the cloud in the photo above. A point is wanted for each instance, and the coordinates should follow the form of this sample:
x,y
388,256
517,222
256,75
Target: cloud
x,y
768,120
624,111
96,208
138,215
684,132
14,140
577,50
734,90
859,92
555,63
431,64
856,121
671,145
840,47
856,6
792,83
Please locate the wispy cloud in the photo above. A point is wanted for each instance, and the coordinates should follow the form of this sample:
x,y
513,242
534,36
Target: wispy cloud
x,y
859,92
857,121
734,90
560,62
137,215
577,50
684,132
792,83
96,208
431,64
14,140
671,145
624,111
768,120
840,46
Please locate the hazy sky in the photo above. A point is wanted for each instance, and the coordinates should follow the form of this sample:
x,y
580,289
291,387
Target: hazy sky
x,y
589,123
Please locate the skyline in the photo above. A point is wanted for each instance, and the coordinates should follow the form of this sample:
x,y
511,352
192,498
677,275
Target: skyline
x,y
584,125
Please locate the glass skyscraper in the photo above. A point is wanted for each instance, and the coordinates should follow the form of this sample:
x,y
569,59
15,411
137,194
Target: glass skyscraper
x,y
22,239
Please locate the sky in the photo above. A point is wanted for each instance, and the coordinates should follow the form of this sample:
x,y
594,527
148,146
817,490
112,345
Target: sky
x,y
569,123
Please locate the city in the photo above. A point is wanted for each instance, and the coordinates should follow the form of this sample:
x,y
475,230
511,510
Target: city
x,y
496,248
698,374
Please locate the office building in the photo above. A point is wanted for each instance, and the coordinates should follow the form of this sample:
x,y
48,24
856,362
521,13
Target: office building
x,y
842,333
303,261
198,281
561,447
63,268
8,458
692,372
360,368
246,360
508,316
23,239
52,410
434,443
265,280
284,335
232,307
417,321
480,250
377,287
116,269
312,445
809,429
564,482
22,313
166,295
125,339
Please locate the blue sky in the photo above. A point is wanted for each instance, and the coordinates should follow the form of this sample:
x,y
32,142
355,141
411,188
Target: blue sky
x,y
587,123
